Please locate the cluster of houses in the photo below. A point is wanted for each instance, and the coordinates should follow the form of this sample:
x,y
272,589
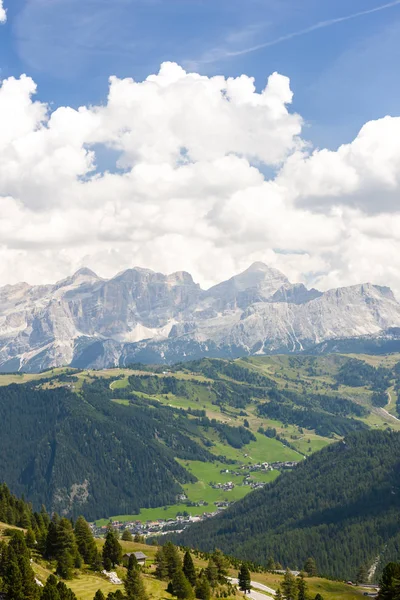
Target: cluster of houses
x,y
156,527
226,487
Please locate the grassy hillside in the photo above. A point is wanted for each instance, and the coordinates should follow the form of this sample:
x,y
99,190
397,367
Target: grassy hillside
x,y
291,406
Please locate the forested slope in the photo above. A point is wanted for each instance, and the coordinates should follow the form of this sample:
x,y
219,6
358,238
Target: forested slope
x,y
341,505
84,453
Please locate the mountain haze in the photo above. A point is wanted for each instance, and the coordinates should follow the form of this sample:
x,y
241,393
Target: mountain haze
x,y
141,315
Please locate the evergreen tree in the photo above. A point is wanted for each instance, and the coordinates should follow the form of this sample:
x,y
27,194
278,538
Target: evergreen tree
x,y
112,551
64,592
16,571
278,595
222,565
50,590
211,573
181,586
271,564
65,564
161,564
189,569
244,579
203,590
99,595
12,577
85,540
133,563
389,582
319,597
30,538
301,587
310,567
289,586
173,559
362,575
51,541
134,586
126,536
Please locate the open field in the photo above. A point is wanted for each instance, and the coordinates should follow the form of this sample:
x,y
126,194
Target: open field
x,y
327,588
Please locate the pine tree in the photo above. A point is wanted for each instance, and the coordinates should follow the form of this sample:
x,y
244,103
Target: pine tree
x,y
222,565
301,587
362,575
50,590
244,579
99,595
65,564
126,536
133,563
15,568
388,581
203,590
112,550
189,569
289,586
173,559
64,592
134,586
211,573
319,597
30,538
310,567
181,586
12,577
278,595
161,564
85,540
270,564
51,541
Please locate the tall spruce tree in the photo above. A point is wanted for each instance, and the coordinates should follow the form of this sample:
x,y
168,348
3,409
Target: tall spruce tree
x,y
244,578
211,573
134,586
85,540
181,586
50,590
173,559
389,582
112,551
64,592
203,589
161,564
99,595
189,568
289,586
222,565
310,567
301,587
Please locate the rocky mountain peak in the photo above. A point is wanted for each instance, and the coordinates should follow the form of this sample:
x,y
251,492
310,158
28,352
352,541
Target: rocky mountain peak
x,y
141,315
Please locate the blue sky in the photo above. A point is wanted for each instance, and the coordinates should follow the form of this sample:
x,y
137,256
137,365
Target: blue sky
x,y
342,75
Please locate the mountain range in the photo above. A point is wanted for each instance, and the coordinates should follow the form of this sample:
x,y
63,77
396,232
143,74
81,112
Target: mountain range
x,y
143,316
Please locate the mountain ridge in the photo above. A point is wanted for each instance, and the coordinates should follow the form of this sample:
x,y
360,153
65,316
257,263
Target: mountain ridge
x,y
140,314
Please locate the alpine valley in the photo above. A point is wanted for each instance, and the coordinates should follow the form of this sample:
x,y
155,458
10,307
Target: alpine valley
x,y
143,316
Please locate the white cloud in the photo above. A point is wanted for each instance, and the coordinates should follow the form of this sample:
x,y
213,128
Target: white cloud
x,y
3,13
190,192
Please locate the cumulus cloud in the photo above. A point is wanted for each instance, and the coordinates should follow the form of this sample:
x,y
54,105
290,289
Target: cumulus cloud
x,y
189,190
3,13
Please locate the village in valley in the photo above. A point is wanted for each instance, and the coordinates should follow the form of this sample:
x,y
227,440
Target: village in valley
x,y
154,527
